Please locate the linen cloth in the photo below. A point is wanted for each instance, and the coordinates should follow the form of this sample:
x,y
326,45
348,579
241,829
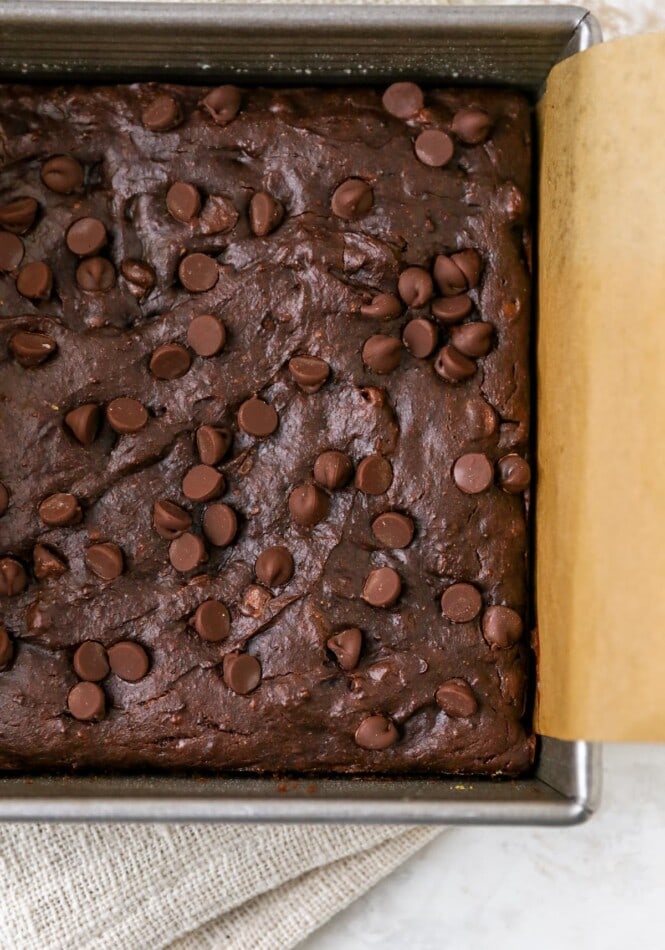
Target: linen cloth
x,y
208,887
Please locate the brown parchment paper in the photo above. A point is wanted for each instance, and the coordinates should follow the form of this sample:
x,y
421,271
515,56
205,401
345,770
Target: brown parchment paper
x,y
600,515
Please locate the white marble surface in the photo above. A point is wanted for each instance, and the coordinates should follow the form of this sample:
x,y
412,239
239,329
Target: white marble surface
x,y
599,886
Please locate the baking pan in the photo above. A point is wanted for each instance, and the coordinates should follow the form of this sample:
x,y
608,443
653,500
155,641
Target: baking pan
x,y
209,42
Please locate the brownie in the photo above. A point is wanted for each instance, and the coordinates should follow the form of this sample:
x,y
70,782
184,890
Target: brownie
x,y
264,427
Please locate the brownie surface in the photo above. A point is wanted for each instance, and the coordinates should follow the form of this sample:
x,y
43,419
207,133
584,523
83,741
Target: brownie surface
x,y
352,671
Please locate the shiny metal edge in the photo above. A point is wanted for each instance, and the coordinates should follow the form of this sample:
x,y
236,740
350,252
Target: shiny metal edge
x,y
93,40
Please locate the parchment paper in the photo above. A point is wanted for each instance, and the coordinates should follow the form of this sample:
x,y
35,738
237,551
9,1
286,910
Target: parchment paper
x,y
600,550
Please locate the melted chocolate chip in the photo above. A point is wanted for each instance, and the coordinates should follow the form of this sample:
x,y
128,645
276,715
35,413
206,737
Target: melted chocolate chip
x,y
309,372
31,348
382,307
265,213
220,525
403,99
308,505
393,530
452,309
206,335
382,587
198,273
6,649
187,552
455,697
222,104
274,567
61,510
13,578
415,286
461,603
473,473
35,281
472,339
162,114
382,353
420,337
352,199
514,474
434,148
105,560
241,672
46,562
95,275
346,646
374,475
170,520
203,483
140,276
480,419
257,418
83,422
453,366
62,174
128,660
333,470
376,733
126,415
471,126
18,215
502,627
11,251
212,443
86,236
170,361
212,621
86,701
91,662
218,216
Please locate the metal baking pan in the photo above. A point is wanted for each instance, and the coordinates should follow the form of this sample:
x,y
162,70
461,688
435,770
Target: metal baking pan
x,y
209,42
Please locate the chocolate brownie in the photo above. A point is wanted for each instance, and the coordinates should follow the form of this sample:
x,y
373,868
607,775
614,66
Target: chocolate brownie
x,y
264,401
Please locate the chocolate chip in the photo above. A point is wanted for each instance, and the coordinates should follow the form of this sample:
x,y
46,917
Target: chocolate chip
x,y
241,672
473,473
333,470
218,216
502,627
13,578
403,99
374,475
309,372
274,566
471,126
4,499
60,510
222,104
265,213
95,275
212,621
86,236
257,418
346,645
308,505
83,422
187,552
352,199
452,309
18,215
170,520
415,286
470,264
91,662
376,733
206,335
382,307
393,530
420,337
382,353
140,276
31,348
472,339
105,560
11,251
126,415
86,701
6,649
162,114
46,562
128,660
202,483
198,273
212,443
434,148
514,474
461,603
453,366
456,698
35,281
62,174
183,201
450,278
382,587
220,525
170,361
479,418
